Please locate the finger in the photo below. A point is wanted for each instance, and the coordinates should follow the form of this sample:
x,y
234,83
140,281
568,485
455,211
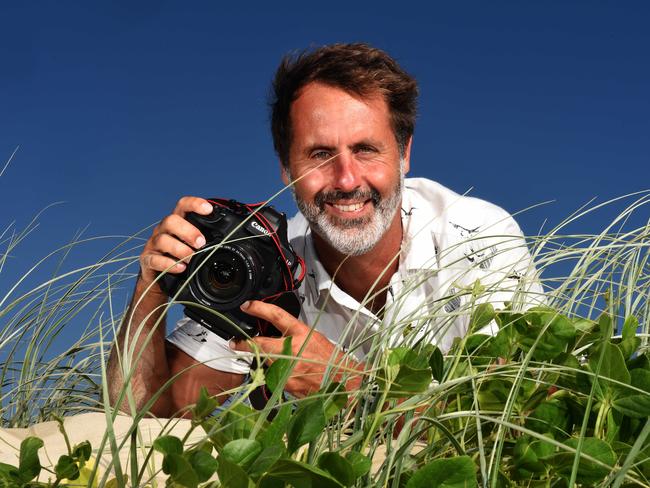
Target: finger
x,y
192,204
242,346
280,318
158,262
182,229
167,244
267,345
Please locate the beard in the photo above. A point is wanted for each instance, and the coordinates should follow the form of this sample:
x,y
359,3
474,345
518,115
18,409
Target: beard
x,y
352,236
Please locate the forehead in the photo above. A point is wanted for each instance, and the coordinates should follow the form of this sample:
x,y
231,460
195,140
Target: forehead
x,y
324,111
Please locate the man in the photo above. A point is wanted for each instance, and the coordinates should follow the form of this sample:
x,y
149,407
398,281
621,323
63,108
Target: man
x,y
381,251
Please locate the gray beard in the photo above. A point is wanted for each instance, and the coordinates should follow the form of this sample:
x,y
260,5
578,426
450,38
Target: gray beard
x,y
355,236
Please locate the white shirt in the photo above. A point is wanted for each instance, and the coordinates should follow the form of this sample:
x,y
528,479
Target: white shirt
x,y
450,241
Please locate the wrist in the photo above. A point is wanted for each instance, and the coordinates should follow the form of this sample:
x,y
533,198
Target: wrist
x,y
147,283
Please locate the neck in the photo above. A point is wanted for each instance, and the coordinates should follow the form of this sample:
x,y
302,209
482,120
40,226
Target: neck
x,y
367,275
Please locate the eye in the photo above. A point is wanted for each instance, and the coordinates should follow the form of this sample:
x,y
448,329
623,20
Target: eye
x,y
321,155
365,148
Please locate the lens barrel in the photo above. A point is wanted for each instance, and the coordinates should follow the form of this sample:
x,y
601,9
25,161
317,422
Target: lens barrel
x,y
226,275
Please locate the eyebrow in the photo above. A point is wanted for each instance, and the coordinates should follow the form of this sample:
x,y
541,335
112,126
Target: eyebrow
x,y
333,149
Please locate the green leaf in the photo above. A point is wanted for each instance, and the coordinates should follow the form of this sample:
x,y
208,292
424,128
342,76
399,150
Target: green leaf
x,y
232,476
360,464
640,378
278,370
588,471
630,326
612,368
502,345
613,423
629,346
180,470
203,464
605,326
29,465
456,472
568,375
66,468
168,444
436,363
525,457
635,406
336,398
494,394
300,475
236,422
241,452
483,314
407,372
475,343
81,452
307,423
271,482
584,326
477,288
641,361
550,416
558,333
267,458
205,405
274,432
339,467
10,474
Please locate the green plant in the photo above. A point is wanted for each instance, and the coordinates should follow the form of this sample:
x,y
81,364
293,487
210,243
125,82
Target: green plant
x,y
71,469
558,396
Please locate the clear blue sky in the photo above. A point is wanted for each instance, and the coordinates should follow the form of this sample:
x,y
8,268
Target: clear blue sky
x,y
121,107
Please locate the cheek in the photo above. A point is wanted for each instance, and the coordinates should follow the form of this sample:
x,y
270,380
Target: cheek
x,y
310,184
384,180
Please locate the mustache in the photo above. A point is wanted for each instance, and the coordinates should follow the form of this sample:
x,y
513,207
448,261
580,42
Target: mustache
x,y
321,198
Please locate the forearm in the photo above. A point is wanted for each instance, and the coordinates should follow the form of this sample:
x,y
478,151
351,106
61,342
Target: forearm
x,y
139,350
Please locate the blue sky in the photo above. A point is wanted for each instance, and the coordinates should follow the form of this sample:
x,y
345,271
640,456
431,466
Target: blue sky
x,y
121,107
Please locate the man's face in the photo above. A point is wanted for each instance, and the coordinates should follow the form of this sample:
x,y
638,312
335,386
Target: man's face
x,y
345,165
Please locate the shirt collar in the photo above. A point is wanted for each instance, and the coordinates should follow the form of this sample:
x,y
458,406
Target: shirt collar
x,y
419,223
418,241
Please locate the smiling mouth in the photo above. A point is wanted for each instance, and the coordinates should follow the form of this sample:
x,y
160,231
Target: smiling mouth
x,y
352,202
350,208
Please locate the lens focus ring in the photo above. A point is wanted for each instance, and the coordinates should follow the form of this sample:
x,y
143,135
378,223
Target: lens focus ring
x,y
225,277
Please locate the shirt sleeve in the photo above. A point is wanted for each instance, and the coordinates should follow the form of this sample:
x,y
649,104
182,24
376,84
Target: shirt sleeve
x,y
504,266
208,348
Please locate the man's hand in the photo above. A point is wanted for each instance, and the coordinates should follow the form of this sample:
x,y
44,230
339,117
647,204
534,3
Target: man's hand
x,y
172,240
307,374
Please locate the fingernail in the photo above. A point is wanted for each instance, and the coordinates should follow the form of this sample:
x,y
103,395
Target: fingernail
x,y
232,344
245,305
180,266
200,241
206,208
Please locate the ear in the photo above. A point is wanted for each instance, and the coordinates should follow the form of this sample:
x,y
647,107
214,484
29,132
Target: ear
x,y
284,174
407,155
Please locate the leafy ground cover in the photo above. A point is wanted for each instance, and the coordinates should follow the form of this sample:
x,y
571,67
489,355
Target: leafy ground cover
x,y
558,396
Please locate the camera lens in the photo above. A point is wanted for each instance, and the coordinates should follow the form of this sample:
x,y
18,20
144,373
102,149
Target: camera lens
x,y
226,277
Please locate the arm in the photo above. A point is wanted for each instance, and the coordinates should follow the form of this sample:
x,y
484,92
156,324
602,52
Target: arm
x,y
159,361
152,369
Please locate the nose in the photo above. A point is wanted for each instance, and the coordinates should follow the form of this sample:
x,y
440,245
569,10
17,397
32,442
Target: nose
x,y
347,172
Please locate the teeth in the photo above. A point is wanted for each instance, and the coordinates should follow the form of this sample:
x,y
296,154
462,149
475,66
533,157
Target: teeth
x,y
350,208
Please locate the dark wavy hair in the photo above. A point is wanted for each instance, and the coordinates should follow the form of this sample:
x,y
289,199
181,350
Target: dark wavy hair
x,y
357,68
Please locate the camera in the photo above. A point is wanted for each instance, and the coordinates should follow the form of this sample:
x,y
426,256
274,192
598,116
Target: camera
x,y
247,256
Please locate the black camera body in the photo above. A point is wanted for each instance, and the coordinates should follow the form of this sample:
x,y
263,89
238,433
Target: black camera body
x,y
247,256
